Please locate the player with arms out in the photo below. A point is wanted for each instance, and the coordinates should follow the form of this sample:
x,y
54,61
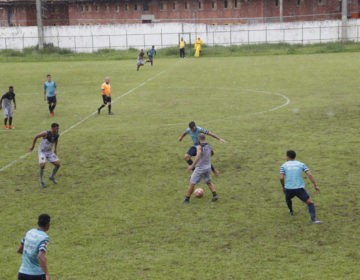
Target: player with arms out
x,y
105,92
140,59
194,131
295,186
33,248
50,92
8,112
49,139
202,165
151,53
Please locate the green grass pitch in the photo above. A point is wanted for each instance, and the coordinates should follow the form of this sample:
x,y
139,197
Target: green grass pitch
x,y
117,212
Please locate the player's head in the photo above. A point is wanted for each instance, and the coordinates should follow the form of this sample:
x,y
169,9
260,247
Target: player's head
x,y
182,39
202,137
291,154
11,88
192,126
198,38
153,47
107,80
55,127
44,221
48,76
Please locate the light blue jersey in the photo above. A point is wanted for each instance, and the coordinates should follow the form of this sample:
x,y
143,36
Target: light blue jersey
x,y
34,241
293,170
50,88
195,135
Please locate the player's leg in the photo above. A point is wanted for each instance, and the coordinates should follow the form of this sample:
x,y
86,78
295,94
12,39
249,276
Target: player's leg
x,y
189,192
305,197
52,157
6,116
103,105
109,105
288,197
42,161
207,179
190,153
194,179
53,105
10,118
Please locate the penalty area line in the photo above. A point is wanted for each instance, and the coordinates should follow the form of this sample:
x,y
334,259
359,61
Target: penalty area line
x,y
92,114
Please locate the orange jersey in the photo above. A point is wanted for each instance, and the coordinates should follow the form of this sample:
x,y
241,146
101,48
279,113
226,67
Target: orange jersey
x,y
106,89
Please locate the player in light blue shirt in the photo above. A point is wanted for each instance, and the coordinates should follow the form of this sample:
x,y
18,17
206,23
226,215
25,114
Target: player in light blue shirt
x,y
194,132
294,184
33,248
50,94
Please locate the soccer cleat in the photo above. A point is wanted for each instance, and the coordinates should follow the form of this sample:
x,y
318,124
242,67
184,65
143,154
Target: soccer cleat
x,y
186,201
52,114
111,113
11,127
214,199
53,180
291,213
317,222
215,172
6,127
43,184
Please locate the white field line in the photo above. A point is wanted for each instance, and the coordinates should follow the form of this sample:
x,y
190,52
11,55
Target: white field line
x,y
93,113
249,114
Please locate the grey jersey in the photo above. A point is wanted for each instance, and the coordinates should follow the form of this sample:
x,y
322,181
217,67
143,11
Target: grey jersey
x,y
47,142
205,159
7,98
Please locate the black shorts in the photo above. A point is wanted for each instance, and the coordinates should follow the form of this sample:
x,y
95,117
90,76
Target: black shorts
x,y
51,99
22,276
192,151
106,99
300,193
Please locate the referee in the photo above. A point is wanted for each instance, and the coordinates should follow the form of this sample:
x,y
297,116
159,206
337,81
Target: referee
x,y
105,92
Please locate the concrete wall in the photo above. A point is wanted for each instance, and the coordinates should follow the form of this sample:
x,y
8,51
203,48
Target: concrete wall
x,y
94,37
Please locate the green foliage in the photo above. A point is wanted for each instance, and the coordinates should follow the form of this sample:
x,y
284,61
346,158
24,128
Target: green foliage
x,y
116,212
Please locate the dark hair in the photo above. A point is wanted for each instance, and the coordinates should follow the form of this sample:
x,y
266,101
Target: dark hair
x,y
291,154
11,87
44,220
48,75
54,125
191,124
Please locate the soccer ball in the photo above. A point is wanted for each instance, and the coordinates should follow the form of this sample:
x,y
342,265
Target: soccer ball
x,y
199,192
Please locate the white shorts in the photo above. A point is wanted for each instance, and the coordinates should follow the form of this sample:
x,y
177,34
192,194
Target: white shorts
x,y
140,62
47,156
8,112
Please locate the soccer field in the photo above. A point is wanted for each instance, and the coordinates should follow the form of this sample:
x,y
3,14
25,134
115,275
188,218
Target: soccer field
x,y
116,211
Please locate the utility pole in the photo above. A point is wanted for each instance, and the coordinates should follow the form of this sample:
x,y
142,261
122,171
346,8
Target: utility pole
x,y
344,20
40,24
281,7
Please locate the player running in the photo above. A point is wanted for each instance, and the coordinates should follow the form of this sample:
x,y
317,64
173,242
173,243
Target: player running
x,y
8,111
151,53
50,92
203,168
295,186
140,59
49,139
105,92
33,248
194,131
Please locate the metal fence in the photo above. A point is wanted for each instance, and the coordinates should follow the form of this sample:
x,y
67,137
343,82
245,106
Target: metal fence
x,y
234,35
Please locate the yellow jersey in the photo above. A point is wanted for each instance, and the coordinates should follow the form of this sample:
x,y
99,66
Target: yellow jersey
x,y
106,89
182,44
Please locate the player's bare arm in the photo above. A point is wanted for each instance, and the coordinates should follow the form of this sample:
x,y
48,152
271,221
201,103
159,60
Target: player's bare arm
x,y
182,136
312,179
14,103
2,97
42,134
20,249
44,94
216,137
42,262
55,147
282,180
197,158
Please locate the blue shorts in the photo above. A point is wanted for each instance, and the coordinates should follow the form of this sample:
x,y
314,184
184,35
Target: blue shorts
x,y
300,193
192,151
51,99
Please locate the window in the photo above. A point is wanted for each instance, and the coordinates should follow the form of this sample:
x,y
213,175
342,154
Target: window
x,y
135,7
276,3
226,4
88,8
163,6
200,5
213,5
322,2
298,3
236,4
97,9
117,8
186,5
145,6
82,8
107,8
126,6
174,6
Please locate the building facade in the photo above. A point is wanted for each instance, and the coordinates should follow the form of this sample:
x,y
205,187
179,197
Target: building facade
x,y
92,12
